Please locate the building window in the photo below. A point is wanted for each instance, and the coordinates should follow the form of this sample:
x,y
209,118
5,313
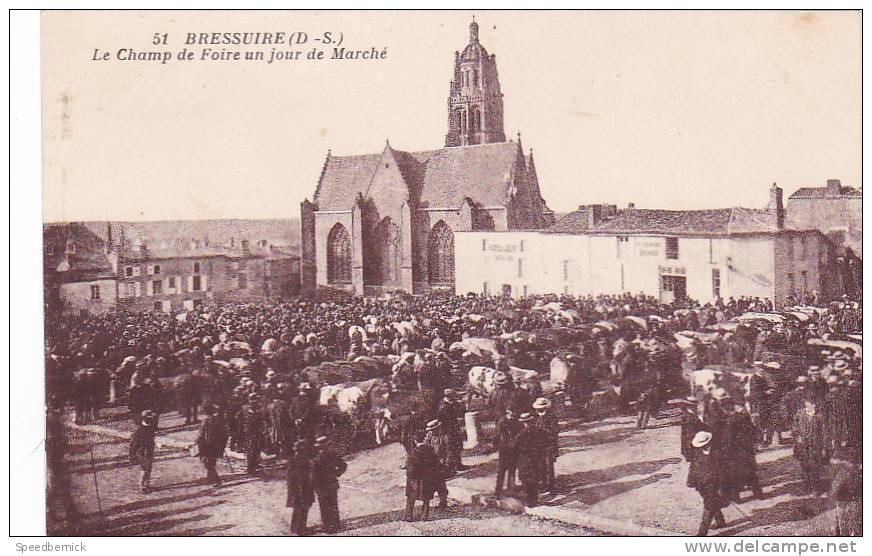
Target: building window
x,y
157,269
521,246
196,268
619,241
196,283
95,292
520,268
171,282
791,283
475,78
671,247
156,287
441,254
243,281
790,249
338,255
484,245
158,306
565,271
803,277
711,250
716,282
128,271
803,248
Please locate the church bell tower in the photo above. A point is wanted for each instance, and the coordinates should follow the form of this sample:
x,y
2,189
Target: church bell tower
x,y
475,103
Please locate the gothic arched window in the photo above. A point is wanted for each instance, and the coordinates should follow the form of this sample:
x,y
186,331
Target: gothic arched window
x,y
462,121
475,78
441,254
338,255
475,120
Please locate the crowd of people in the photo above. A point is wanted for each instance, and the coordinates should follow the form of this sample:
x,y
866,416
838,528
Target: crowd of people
x,y
250,371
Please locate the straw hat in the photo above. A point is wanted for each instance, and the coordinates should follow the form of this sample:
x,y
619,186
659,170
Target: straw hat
x,y
541,403
702,439
433,425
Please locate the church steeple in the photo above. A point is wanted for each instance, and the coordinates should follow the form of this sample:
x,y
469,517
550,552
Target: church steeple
x,y
475,102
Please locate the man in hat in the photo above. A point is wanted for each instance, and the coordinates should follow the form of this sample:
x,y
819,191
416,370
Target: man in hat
x,y
740,461
301,493
304,412
690,425
810,443
450,413
507,430
211,441
327,467
436,438
188,388
501,397
141,449
253,426
546,421
531,458
705,476
424,476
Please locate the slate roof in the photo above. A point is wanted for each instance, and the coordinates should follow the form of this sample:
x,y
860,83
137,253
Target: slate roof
x,y
441,178
89,261
671,222
573,223
824,193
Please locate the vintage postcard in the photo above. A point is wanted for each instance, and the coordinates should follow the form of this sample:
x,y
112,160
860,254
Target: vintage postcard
x,y
453,273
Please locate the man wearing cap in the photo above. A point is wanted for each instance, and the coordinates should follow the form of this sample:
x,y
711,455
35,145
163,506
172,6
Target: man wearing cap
x,y
301,493
327,467
211,441
705,476
546,422
531,458
141,449
507,430
690,425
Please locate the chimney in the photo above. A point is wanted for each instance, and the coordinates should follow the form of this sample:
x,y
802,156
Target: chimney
x,y
776,205
594,215
834,187
245,249
631,206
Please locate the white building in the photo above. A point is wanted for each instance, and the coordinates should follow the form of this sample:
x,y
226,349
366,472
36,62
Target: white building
x,y
598,249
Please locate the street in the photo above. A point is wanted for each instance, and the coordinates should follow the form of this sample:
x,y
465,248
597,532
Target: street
x,y
611,479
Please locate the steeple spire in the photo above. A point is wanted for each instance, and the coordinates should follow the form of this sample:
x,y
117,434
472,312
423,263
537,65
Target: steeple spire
x,y
475,102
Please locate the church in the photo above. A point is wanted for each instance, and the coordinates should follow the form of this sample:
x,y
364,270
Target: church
x,y
385,222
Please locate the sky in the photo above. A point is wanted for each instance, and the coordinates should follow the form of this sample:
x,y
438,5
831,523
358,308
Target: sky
x,y
674,110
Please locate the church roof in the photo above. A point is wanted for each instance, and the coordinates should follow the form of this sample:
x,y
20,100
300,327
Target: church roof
x,y
440,178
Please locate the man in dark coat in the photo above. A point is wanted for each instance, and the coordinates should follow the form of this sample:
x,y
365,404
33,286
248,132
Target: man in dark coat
x,y
424,477
211,441
705,476
449,413
810,444
252,432
327,467
690,425
740,462
189,392
141,448
579,381
436,437
531,458
301,492
546,421
304,412
507,430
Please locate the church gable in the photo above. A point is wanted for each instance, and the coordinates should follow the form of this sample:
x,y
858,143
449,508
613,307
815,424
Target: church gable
x,y
387,190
